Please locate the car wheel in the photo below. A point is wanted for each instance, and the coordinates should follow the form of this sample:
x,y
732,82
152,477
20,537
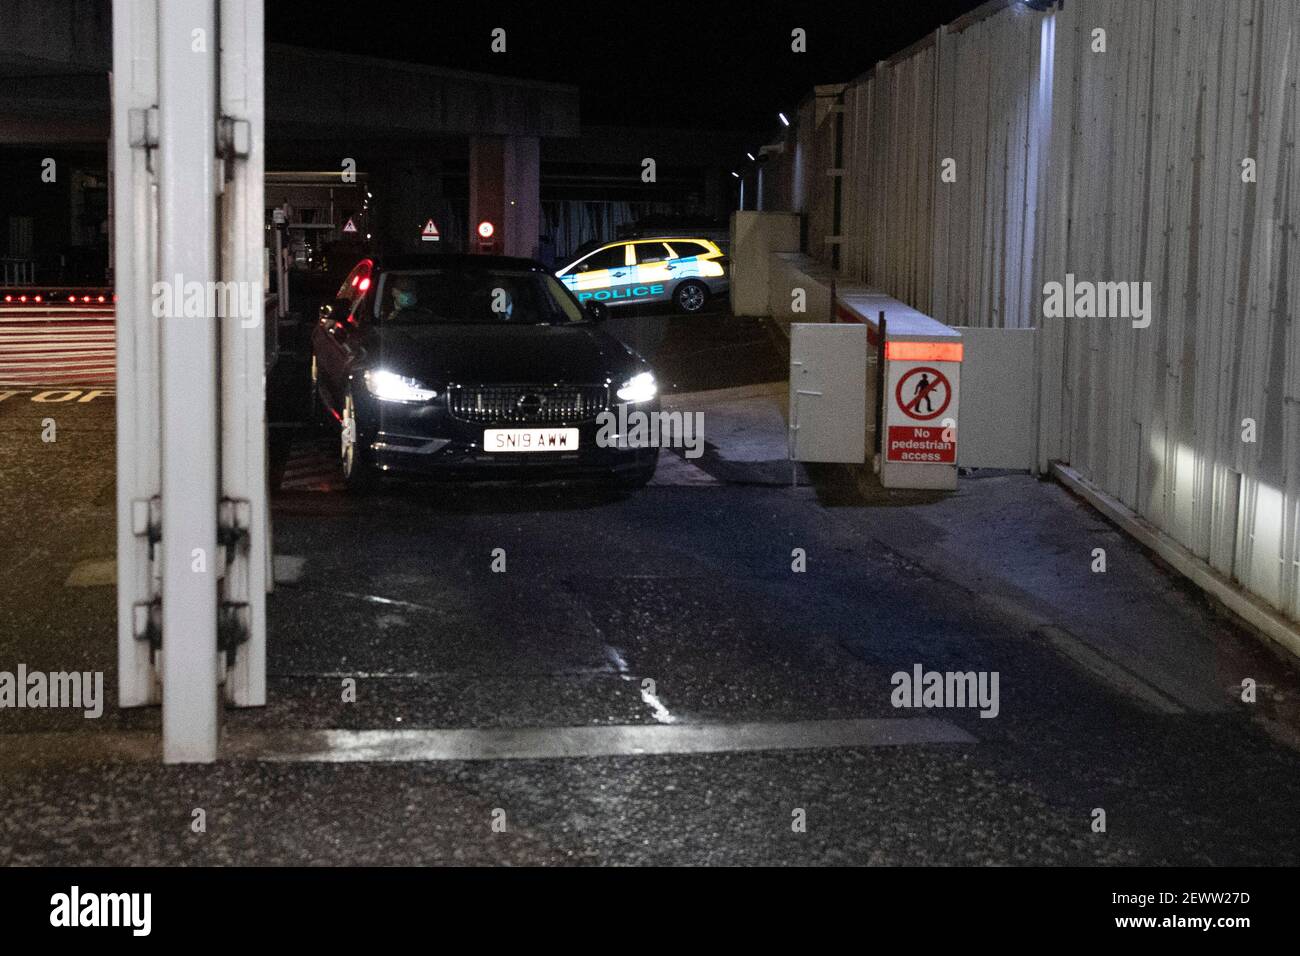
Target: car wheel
x,y
691,296
358,471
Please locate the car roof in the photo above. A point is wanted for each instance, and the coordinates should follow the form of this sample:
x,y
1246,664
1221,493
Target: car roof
x,y
455,260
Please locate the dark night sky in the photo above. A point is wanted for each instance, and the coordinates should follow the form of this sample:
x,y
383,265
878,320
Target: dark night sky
x,y
667,64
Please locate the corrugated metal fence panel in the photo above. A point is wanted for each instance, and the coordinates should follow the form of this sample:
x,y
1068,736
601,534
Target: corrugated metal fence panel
x,y
821,185
1114,166
1146,149
990,123
888,192
857,158
961,251
806,180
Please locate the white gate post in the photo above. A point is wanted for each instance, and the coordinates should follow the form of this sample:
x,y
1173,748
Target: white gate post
x,y
135,96
243,352
193,519
187,123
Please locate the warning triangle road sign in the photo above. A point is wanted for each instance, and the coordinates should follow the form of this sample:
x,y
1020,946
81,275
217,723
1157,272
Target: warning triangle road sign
x,y
430,232
350,226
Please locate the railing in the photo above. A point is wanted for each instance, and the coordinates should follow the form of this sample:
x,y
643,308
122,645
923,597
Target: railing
x,y
15,271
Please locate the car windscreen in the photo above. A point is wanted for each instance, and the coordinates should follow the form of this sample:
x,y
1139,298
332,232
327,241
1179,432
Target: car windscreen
x,y
469,296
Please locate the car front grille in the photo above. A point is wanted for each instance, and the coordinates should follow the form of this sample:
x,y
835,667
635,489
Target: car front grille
x,y
527,404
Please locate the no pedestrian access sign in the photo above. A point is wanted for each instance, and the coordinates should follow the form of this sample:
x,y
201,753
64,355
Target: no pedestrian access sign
x,y
923,393
921,426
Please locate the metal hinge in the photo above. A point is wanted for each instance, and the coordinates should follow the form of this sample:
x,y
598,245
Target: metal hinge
x,y
234,516
232,628
146,521
147,625
142,127
234,138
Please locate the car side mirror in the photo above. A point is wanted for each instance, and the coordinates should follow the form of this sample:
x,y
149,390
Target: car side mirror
x,y
596,311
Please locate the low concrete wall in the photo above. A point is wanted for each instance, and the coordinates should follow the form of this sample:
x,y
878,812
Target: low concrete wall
x,y
798,289
754,237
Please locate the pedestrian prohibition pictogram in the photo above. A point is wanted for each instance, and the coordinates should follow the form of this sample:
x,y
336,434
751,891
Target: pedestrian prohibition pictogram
x,y
923,393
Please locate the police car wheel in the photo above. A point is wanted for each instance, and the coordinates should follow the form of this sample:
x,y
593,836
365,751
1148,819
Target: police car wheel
x,y
690,296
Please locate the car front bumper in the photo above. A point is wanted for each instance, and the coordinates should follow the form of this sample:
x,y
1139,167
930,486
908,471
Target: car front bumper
x,y
427,440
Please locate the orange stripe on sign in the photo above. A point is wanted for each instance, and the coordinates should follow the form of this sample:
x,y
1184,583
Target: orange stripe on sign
x,y
923,351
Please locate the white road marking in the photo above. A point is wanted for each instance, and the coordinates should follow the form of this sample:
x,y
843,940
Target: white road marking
x,y
529,743
540,743
657,709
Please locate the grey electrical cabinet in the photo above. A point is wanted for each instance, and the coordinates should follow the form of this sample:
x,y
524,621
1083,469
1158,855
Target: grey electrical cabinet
x,y
828,392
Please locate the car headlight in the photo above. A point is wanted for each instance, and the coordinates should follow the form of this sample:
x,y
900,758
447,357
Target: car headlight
x,y
639,388
391,387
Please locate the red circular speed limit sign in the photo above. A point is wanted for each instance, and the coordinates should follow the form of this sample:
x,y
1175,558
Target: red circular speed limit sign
x,y
923,393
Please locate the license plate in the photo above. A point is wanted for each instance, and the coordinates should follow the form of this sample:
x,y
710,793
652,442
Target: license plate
x,y
530,439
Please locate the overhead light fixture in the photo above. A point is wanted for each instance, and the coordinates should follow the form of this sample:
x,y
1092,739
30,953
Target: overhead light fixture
x,y
783,119
751,157
736,174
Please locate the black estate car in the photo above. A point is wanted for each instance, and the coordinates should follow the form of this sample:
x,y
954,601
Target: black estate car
x,y
474,366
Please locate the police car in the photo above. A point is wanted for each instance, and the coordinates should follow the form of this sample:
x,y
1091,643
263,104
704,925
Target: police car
x,y
684,271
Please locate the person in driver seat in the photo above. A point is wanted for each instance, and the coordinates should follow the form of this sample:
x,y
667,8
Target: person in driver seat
x,y
405,297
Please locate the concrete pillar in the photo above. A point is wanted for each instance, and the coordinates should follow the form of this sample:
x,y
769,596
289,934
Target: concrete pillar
x,y
504,189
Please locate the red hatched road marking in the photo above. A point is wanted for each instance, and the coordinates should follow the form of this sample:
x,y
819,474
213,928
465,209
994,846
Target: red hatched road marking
x,y
64,347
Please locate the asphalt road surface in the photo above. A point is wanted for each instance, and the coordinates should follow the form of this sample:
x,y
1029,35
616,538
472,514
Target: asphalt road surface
x,y
649,679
